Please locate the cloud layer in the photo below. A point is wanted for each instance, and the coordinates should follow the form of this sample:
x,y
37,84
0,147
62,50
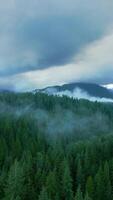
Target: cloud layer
x,y
81,94
45,42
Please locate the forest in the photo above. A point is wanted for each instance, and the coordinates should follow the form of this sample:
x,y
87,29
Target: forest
x,y
55,148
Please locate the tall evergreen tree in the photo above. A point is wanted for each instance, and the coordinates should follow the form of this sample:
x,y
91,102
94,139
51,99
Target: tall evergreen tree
x,y
111,175
51,185
80,174
15,184
43,195
67,183
90,187
107,183
87,197
79,195
99,184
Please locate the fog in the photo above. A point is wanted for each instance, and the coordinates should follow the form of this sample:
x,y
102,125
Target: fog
x,y
79,94
61,121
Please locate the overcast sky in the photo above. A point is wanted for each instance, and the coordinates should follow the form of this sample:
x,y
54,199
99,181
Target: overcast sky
x,y
48,42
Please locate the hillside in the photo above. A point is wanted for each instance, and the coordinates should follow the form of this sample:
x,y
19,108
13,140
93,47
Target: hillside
x,y
94,90
55,148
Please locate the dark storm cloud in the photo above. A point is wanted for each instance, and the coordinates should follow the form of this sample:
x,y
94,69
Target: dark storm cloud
x,y
36,37
52,41
40,35
58,39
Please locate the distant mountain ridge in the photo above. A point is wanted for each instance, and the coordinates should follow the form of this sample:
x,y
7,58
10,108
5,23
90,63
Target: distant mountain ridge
x,y
91,89
6,91
77,90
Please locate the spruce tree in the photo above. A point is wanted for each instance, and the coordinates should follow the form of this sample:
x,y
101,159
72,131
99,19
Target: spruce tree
x,y
15,183
80,174
90,187
87,197
79,195
111,175
43,195
51,185
107,183
67,183
99,184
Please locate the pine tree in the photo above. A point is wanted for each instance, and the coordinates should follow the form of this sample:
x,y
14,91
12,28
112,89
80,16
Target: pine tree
x,y
80,174
79,195
107,183
111,175
99,185
51,185
43,195
87,197
15,183
67,183
87,162
30,189
90,187
3,177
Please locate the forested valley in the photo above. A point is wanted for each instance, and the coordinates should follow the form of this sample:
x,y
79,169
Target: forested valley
x,y
55,148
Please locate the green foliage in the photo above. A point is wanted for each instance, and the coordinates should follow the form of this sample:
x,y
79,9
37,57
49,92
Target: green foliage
x,y
51,185
107,182
43,195
15,182
67,183
90,187
54,148
99,183
79,195
87,197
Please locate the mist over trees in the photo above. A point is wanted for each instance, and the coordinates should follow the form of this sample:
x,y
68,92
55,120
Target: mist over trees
x,y
54,148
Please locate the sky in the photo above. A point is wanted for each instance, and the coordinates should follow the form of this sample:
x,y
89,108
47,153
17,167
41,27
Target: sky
x,y
46,42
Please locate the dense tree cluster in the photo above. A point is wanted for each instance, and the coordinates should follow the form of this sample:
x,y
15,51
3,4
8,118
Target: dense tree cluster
x,y
39,161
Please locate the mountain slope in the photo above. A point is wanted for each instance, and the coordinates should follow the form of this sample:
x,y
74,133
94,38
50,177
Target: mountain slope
x,y
94,90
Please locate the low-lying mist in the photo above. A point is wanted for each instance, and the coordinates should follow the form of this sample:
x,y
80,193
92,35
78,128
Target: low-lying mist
x,y
78,93
80,119
81,94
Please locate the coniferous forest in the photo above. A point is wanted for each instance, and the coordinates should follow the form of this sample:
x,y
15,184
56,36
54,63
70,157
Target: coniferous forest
x,y
54,148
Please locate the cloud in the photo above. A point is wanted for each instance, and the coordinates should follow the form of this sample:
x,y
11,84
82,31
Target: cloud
x,y
109,86
94,62
45,42
81,94
77,93
40,34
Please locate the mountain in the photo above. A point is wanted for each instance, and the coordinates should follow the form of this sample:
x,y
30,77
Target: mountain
x,y
5,91
80,90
